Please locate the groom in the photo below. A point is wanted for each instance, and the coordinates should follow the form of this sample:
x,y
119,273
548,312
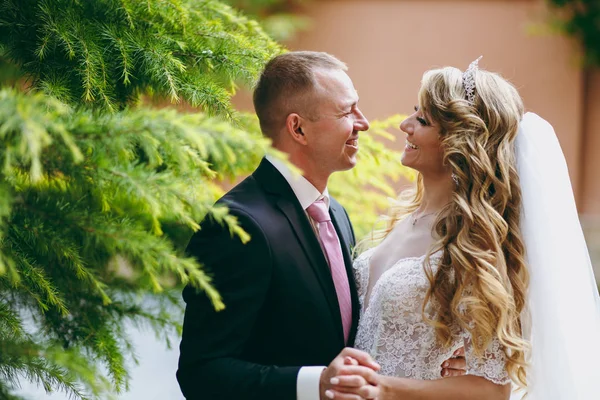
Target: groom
x,y
291,301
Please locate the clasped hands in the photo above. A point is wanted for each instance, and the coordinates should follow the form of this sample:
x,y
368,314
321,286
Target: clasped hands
x,y
352,375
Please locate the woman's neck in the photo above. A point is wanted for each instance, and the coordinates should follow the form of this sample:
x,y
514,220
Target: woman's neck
x,y
437,192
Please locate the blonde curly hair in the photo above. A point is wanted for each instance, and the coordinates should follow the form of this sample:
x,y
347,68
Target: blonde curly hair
x,y
482,280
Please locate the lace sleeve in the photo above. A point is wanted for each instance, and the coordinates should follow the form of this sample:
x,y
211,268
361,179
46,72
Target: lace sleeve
x,y
492,366
361,273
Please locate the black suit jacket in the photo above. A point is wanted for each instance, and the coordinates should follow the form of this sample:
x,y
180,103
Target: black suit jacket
x,y
281,310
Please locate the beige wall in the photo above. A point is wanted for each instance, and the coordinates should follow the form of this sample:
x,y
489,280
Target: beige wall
x,y
389,44
591,171
591,149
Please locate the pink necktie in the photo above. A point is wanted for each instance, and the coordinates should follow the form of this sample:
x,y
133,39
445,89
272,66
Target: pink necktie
x,y
331,243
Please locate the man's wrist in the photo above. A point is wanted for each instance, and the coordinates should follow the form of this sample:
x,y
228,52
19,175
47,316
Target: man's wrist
x,y
308,386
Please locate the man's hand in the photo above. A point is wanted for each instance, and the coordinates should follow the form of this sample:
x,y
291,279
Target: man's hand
x,y
345,379
456,365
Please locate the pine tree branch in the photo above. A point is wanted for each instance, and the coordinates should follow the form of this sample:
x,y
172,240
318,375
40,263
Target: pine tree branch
x,y
108,52
34,281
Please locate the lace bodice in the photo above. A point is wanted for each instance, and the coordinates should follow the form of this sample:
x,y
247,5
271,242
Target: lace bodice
x,y
393,331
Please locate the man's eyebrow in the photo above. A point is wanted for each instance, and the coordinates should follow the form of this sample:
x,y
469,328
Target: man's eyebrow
x,y
351,104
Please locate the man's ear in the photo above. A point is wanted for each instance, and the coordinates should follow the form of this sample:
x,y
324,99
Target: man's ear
x,y
293,127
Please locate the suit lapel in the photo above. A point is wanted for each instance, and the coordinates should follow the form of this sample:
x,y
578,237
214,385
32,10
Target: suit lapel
x,y
310,244
273,182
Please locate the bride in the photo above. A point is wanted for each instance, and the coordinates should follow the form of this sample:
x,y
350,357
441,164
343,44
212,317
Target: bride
x,y
486,253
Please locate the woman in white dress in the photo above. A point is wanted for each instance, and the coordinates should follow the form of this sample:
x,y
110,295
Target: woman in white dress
x,y
452,270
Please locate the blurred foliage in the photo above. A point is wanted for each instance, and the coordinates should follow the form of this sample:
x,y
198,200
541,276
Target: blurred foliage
x,y
580,19
281,19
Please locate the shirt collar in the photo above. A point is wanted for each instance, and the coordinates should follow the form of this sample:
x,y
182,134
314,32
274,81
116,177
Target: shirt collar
x,y
302,188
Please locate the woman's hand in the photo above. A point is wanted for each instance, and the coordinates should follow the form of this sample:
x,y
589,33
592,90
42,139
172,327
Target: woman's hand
x,y
354,382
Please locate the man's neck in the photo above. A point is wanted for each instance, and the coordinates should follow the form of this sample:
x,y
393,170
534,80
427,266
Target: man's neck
x,y
319,183
317,178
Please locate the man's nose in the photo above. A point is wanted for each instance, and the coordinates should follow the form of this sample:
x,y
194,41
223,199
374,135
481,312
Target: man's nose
x,y
362,122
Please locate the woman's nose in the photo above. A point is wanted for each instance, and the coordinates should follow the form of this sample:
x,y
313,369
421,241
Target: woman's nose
x,y
406,126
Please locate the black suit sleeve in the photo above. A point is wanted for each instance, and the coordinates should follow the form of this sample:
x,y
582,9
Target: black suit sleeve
x,y
209,364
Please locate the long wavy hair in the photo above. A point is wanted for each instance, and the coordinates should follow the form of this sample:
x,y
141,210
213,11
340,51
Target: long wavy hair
x,y
482,280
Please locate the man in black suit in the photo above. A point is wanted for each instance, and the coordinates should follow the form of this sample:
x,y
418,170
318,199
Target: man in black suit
x,y
284,317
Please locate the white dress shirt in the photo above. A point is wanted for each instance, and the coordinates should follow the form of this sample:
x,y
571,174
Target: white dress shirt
x,y
307,383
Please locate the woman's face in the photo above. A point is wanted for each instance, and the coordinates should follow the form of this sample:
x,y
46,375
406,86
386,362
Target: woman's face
x,y
423,151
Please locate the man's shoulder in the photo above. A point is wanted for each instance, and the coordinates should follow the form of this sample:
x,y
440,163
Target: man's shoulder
x,y
242,193
247,198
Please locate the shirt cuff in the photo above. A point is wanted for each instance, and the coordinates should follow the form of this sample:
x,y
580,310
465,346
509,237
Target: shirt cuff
x,y
307,384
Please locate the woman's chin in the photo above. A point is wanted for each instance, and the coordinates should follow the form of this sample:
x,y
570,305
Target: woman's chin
x,y
406,160
408,163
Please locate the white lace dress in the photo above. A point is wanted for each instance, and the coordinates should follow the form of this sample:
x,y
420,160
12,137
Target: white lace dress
x,y
393,331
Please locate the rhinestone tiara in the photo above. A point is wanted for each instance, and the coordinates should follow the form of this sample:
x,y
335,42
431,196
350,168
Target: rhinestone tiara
x,y
469,80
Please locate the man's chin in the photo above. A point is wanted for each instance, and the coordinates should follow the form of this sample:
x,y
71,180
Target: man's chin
x,y
351,163
345,167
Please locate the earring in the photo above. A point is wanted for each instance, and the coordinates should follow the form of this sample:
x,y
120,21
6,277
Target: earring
x,y
455,179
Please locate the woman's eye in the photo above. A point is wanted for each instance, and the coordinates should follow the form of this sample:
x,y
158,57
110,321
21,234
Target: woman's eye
x,y
422,121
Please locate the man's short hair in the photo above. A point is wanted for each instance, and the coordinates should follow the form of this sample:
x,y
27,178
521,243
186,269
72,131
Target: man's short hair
x,y
286,79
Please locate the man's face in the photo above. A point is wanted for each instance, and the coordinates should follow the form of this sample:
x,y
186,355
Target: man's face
x,y
332,131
